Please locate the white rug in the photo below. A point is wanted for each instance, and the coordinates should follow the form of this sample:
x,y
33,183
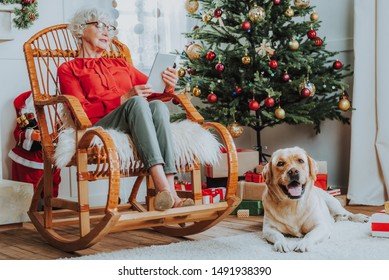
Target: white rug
x,y
349,241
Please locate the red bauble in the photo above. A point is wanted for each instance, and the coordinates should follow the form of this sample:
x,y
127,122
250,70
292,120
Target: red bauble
x,y
246,25
318,41
212,98
210,55
217,12
285,77
189,71
305,92
311,34
269,102
175,102
254,105
277,2
219,67
238,90
337,65
27,2
273,64
195,27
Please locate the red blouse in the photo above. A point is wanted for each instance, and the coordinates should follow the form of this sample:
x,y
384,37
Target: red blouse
x,y
98,83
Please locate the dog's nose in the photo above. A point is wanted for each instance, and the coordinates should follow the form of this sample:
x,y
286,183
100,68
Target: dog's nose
x,y
293,172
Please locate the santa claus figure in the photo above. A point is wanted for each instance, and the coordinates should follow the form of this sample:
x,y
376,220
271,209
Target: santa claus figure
x,y
27,159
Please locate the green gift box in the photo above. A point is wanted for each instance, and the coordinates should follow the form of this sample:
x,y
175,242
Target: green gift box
x,y
254,206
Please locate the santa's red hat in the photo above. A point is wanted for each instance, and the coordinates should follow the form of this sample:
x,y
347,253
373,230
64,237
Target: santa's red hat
x,y
24,103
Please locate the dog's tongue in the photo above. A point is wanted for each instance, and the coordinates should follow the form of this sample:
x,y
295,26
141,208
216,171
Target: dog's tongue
x,y
295,189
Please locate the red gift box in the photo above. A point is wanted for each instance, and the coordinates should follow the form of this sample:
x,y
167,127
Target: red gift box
x,y
380,224
321,181
183,186
254,177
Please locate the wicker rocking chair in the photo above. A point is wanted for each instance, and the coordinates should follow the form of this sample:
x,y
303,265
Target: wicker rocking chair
x,y
44,52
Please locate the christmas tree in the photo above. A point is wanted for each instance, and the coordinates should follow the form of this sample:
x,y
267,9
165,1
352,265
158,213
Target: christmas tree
x,y
259,63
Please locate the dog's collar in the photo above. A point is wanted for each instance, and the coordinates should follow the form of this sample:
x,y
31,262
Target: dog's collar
x,y
285,190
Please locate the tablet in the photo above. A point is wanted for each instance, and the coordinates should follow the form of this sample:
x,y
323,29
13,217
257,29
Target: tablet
x,y
161,62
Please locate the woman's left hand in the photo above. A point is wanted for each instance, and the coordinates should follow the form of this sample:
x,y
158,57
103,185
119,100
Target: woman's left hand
x,y
169,76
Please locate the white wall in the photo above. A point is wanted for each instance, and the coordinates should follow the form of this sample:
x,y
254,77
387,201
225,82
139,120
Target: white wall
x,y
331,145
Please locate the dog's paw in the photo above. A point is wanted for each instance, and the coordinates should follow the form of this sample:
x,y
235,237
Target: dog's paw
x,y
303,246
281,246
359,218
341,217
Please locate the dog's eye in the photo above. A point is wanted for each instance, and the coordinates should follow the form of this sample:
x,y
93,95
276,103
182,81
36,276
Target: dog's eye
x,y
301,160
280,163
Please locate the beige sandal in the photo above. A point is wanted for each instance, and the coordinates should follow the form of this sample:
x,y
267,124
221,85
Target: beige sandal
x,y
163,201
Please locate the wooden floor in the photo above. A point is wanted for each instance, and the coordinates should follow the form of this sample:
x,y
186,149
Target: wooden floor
x,y
24,243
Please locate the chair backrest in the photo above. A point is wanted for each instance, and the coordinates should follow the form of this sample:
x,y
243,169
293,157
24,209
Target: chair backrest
x,y
44,53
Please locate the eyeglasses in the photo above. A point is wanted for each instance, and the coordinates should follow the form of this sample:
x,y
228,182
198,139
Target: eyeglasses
x,y
101,26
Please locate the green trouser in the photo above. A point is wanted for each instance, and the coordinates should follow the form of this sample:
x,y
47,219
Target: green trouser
x,y
148,124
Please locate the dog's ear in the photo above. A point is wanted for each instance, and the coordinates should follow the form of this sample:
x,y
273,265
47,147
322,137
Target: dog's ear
x,y
267,172
313,168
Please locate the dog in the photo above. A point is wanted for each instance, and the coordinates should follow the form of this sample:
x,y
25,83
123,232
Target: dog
x,y
293,206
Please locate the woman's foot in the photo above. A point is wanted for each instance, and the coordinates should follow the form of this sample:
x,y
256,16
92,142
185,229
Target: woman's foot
x,y
183,202
163,200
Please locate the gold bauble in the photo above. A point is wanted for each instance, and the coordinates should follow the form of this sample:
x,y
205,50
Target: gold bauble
x,y
193,51
314,16
289,12
257,14
181,72
191,6
280,113
307,84
301,3
294,45
344,104
207,17
235,129
246,60
196,91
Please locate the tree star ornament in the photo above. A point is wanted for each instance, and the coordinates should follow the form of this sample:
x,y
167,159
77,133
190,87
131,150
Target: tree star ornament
x,y
264,48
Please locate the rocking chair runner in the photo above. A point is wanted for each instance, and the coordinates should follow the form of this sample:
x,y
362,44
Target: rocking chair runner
x,y
44,53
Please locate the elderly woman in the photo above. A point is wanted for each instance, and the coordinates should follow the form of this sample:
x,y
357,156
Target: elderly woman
x,y
115,95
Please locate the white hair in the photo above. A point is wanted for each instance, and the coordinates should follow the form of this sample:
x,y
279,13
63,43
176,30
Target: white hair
x,y
84,15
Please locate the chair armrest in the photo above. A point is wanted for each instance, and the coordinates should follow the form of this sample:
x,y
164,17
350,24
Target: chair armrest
x,y
191,111
81,119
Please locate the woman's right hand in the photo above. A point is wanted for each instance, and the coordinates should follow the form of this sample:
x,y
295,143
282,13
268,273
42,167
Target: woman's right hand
x,y
139,90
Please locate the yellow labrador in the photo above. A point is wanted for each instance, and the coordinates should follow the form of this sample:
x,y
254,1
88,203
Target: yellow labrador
x,y
293,206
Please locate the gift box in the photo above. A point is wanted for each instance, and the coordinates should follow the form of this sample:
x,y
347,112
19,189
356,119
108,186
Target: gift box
x,y
247,160
254,206
380,224
334,191
321,181
253,177
250,190
183,186
213,195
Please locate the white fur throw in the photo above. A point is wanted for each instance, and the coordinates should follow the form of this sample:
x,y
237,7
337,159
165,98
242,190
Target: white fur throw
x,y
190,140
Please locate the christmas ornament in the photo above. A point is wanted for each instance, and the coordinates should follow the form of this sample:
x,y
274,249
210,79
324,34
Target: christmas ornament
x,y
294,45
235,129
264,48
285,77
219,67
318,41
279,113
193,51
269,102
337,65
25,14
181,72
314,16
276,2
273,64
217,13
210,55
238,90
344,103
195,27
207,17
311,34
254,105
289,12
246,59
189,71
246,25
175,102
257,14
196,91
191,6
301,3
212,98
306,88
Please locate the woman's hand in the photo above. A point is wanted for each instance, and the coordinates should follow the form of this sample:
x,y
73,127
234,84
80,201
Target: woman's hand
x,y
169,76
139,90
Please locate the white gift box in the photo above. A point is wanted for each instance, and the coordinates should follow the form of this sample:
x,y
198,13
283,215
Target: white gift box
x,y
380,224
